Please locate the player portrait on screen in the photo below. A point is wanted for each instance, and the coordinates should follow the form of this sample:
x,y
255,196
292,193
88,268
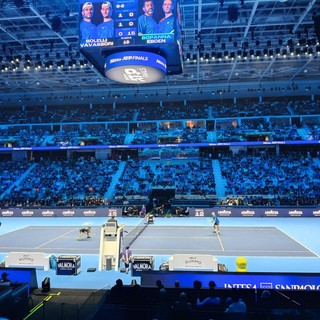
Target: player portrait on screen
x,y
106,28
88,30
146,23
166,24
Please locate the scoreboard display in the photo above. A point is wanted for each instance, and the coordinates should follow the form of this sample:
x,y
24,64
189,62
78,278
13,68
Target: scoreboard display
x,y
109,27
123,19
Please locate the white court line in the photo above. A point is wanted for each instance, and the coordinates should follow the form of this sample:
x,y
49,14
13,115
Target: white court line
x,y
58,249
222,247
256,254
175,250
302,245
57,238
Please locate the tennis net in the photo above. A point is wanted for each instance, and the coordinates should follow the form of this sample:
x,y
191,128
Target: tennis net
x,y
134,233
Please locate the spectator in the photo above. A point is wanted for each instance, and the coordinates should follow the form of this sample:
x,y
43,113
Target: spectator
x,y
265,305
212,284
136,295
237,309
116,293
182,307
5,278
211,301
159,284
163,305
196,292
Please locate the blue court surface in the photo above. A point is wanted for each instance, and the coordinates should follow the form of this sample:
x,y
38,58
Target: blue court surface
x,y
269,244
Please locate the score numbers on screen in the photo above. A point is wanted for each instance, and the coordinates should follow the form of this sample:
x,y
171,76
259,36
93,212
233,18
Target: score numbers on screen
x,y
126,17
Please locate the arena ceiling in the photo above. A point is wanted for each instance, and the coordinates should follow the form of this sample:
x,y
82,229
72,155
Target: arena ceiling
x,y
230,48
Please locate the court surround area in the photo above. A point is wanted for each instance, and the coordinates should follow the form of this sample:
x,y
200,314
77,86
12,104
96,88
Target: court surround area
x,y
269,244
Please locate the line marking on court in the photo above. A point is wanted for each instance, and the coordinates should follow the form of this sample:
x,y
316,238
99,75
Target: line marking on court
x,y
173,237
54,239
297,242
176,249
258,254
225,250
222,247
73,249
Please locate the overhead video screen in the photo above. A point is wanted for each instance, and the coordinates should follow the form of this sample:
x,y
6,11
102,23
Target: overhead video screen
x,y
109,27
107,24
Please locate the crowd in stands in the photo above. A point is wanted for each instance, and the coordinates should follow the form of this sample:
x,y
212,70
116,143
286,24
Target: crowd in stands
x,y
64,114
261,179
179,302
176,110
186,177
145,137
156,111
135,180
202,302
172,123
72,135
291,179
10,172
312,130
302,107
257,129
251,109
251,180
58,183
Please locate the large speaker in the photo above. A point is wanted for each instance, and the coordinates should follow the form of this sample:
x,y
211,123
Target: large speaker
x,y
316,20
233,13
56,24
46,285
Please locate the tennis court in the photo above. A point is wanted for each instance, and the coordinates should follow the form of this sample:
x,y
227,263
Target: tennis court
x,y
161,240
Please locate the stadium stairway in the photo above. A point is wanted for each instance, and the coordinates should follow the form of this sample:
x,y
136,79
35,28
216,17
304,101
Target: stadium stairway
x,y
304,133
212,136
129,137
219,180
17,182
114,181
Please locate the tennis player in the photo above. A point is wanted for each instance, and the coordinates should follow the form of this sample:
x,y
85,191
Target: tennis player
x,y
85,231
216,223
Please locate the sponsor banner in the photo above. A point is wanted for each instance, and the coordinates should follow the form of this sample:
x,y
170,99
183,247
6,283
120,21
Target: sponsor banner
x,y
221,211
37,260
193,262
240,280
61,212
7,213
316,213
27,213
234,211
48,213
68,265
141,263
